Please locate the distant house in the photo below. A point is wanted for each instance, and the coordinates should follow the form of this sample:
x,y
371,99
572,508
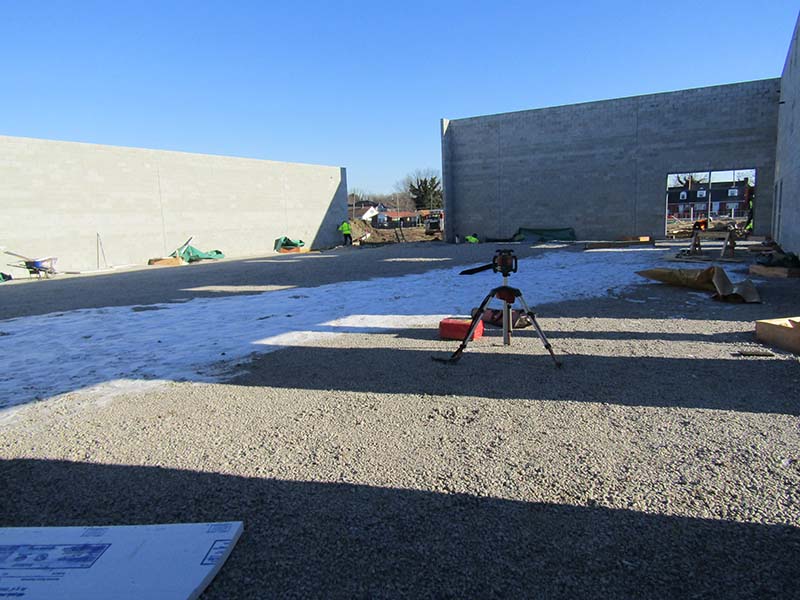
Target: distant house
x,y
724,198
362,210
365,213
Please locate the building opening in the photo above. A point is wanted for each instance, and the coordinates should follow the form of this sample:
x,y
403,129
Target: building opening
x,y
710,199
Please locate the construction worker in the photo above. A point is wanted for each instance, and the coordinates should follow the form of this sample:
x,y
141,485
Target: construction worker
x,y
748,226
346,232
472,239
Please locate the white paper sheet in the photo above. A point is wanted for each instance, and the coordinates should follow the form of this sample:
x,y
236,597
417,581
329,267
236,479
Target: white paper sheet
x,y
168,562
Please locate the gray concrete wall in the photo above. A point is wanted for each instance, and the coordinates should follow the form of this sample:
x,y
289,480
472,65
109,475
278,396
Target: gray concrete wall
x,y
56,196
601,167
787,180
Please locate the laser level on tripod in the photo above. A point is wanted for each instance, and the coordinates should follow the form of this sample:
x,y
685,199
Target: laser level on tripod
x,y
505,263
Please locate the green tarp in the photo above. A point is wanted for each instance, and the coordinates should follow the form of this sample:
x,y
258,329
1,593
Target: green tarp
x,y
285,242
191,254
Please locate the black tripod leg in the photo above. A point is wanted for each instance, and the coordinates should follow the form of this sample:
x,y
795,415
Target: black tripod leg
x,y
472,326
531,314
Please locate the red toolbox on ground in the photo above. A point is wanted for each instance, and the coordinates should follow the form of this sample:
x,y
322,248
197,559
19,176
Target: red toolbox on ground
x,y
456,329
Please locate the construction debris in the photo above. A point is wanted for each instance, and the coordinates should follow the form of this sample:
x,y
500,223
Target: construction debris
x,y
191,254
776,257
712,279
34,266
765,271
184,254
782,333
170,261
286,245
680,228
365,234
361,239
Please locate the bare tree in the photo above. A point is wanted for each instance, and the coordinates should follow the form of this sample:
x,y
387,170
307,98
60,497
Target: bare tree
x,y
398,201
357,195
405,183
687,180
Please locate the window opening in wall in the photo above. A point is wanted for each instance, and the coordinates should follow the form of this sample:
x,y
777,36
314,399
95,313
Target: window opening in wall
x,y
709,199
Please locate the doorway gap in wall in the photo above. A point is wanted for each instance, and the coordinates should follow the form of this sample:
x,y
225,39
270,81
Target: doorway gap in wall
x,y
713,199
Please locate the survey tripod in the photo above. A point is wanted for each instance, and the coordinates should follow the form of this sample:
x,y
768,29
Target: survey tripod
x,y
504,262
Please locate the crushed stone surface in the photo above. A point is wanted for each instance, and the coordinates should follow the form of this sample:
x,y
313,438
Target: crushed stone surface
x,y
656,463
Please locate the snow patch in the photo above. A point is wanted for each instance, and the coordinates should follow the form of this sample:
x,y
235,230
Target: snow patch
x,y
111,350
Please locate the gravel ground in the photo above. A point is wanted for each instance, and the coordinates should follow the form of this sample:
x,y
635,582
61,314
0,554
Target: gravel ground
x,y
654,464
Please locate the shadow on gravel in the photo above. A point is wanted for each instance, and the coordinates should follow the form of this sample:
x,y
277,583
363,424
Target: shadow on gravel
x,y
745,385
333,540
553,335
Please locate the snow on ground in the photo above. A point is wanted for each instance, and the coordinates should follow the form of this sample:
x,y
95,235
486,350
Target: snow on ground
x,y
113,349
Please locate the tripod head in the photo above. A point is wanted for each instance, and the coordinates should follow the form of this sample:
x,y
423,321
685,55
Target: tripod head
x,y
504,261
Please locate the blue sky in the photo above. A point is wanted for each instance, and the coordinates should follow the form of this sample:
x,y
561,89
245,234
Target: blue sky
x,y
355,84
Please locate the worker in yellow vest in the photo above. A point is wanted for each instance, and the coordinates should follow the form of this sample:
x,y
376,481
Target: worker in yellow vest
x,y
472,239
748,226
346,232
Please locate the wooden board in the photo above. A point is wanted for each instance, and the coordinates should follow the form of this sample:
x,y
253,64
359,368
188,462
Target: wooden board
x,y
635,238
782,333
774,271
704,259
712,235
170,261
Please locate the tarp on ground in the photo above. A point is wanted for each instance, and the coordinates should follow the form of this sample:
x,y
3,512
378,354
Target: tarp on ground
x,y
191,254
712,279
529,234
285,243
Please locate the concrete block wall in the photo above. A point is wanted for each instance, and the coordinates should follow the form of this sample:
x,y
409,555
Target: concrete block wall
x,y
601,167
787,179
56,196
